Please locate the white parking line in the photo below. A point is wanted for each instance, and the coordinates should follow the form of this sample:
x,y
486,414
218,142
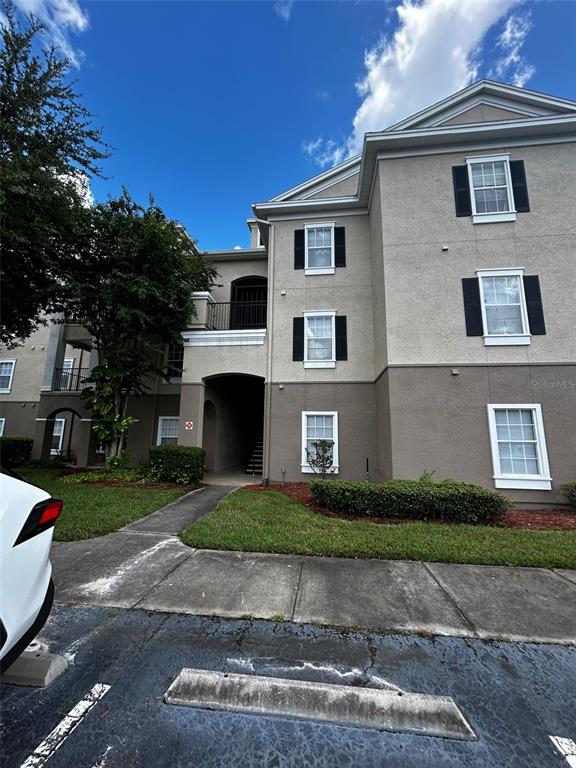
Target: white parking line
x,y
58,736
567,749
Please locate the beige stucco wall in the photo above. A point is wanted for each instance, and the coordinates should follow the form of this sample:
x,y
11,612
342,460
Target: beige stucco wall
x,y
439,421
424,305
232,270
356,408
484,113
29,367
200,362
343,188
348,291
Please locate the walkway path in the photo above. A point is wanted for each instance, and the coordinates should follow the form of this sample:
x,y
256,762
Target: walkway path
x,y
144,565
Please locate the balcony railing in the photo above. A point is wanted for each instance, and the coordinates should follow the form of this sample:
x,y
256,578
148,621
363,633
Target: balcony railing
x,y
236,315
69,379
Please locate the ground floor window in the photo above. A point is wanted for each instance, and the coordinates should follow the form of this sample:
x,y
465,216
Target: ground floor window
x,y
518,444
319,425
167,430
2,422
57,437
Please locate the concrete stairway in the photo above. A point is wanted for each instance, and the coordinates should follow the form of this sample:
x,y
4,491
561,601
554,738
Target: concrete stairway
x,y
254,466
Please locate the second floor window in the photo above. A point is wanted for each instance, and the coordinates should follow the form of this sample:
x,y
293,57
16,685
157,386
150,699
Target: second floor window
x,y
174,361
319,249
6,375
319,343
504,305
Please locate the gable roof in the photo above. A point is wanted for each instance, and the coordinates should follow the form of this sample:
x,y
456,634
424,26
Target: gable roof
x,y
535,117
322,181
522,101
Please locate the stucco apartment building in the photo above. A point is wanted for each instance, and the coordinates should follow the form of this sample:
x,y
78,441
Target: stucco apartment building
x,y
416,304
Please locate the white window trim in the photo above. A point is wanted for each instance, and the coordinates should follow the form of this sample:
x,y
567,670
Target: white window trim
x,y
320,363
540,482
8,389
305,466
487,218
504,339
159,432
318,270
2,425
58,451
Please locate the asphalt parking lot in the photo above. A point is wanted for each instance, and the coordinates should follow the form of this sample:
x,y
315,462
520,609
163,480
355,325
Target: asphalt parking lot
x,y
514,695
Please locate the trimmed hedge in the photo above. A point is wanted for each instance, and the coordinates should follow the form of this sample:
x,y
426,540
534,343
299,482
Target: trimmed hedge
x,y
15,451
569,490
177,464
413,499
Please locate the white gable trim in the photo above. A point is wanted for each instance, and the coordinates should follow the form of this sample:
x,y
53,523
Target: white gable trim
x,y
491,89
332,176
331,183
509,106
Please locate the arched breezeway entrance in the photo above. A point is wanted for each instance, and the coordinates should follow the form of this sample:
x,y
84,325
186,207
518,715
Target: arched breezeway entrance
x,y
67,435
233,423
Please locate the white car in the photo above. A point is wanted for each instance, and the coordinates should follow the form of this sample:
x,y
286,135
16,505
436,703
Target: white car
x,y
27,517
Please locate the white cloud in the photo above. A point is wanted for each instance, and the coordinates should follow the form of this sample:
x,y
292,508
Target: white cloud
x,y
433,52
512,65
284,9
60,17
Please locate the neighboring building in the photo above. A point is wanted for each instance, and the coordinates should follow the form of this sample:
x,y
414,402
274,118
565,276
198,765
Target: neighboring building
x,y
417,304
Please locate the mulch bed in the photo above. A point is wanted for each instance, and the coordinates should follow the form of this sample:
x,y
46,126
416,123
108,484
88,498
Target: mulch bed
x,y
553,519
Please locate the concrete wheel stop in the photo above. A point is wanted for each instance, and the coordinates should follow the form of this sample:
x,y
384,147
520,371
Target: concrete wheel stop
x,y
35,669
386,710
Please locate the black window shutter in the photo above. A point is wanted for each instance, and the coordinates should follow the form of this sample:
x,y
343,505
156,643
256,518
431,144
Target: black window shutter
x,y
519,186
472,308
534,305
341,338
298,249
339,246
298,338
461,190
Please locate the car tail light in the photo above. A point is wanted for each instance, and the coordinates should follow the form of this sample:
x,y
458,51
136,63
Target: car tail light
x,y
42,517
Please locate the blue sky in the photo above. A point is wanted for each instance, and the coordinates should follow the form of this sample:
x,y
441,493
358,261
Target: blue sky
x,y
212,106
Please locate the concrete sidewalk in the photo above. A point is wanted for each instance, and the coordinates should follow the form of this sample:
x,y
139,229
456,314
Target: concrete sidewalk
x,y
145,565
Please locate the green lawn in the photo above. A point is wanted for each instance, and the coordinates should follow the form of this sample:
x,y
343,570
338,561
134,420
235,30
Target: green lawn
x,y
93,510
268,521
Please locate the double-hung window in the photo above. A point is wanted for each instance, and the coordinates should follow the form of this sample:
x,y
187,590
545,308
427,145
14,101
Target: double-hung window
x,y
319,249
6,375
491,192
319,340
319,425
167,430
174,362
57,437
519,453
503,305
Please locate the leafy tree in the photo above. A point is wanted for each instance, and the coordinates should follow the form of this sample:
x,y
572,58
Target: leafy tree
x,y
321,458
47,150
133,298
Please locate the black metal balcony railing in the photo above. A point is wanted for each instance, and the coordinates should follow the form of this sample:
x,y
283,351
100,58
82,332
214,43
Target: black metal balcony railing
x,y
69,379
236,315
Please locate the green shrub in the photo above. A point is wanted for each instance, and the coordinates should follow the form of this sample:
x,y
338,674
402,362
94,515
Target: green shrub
x,y
136,475
116,463
15,451
177,464
569,490
413,499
